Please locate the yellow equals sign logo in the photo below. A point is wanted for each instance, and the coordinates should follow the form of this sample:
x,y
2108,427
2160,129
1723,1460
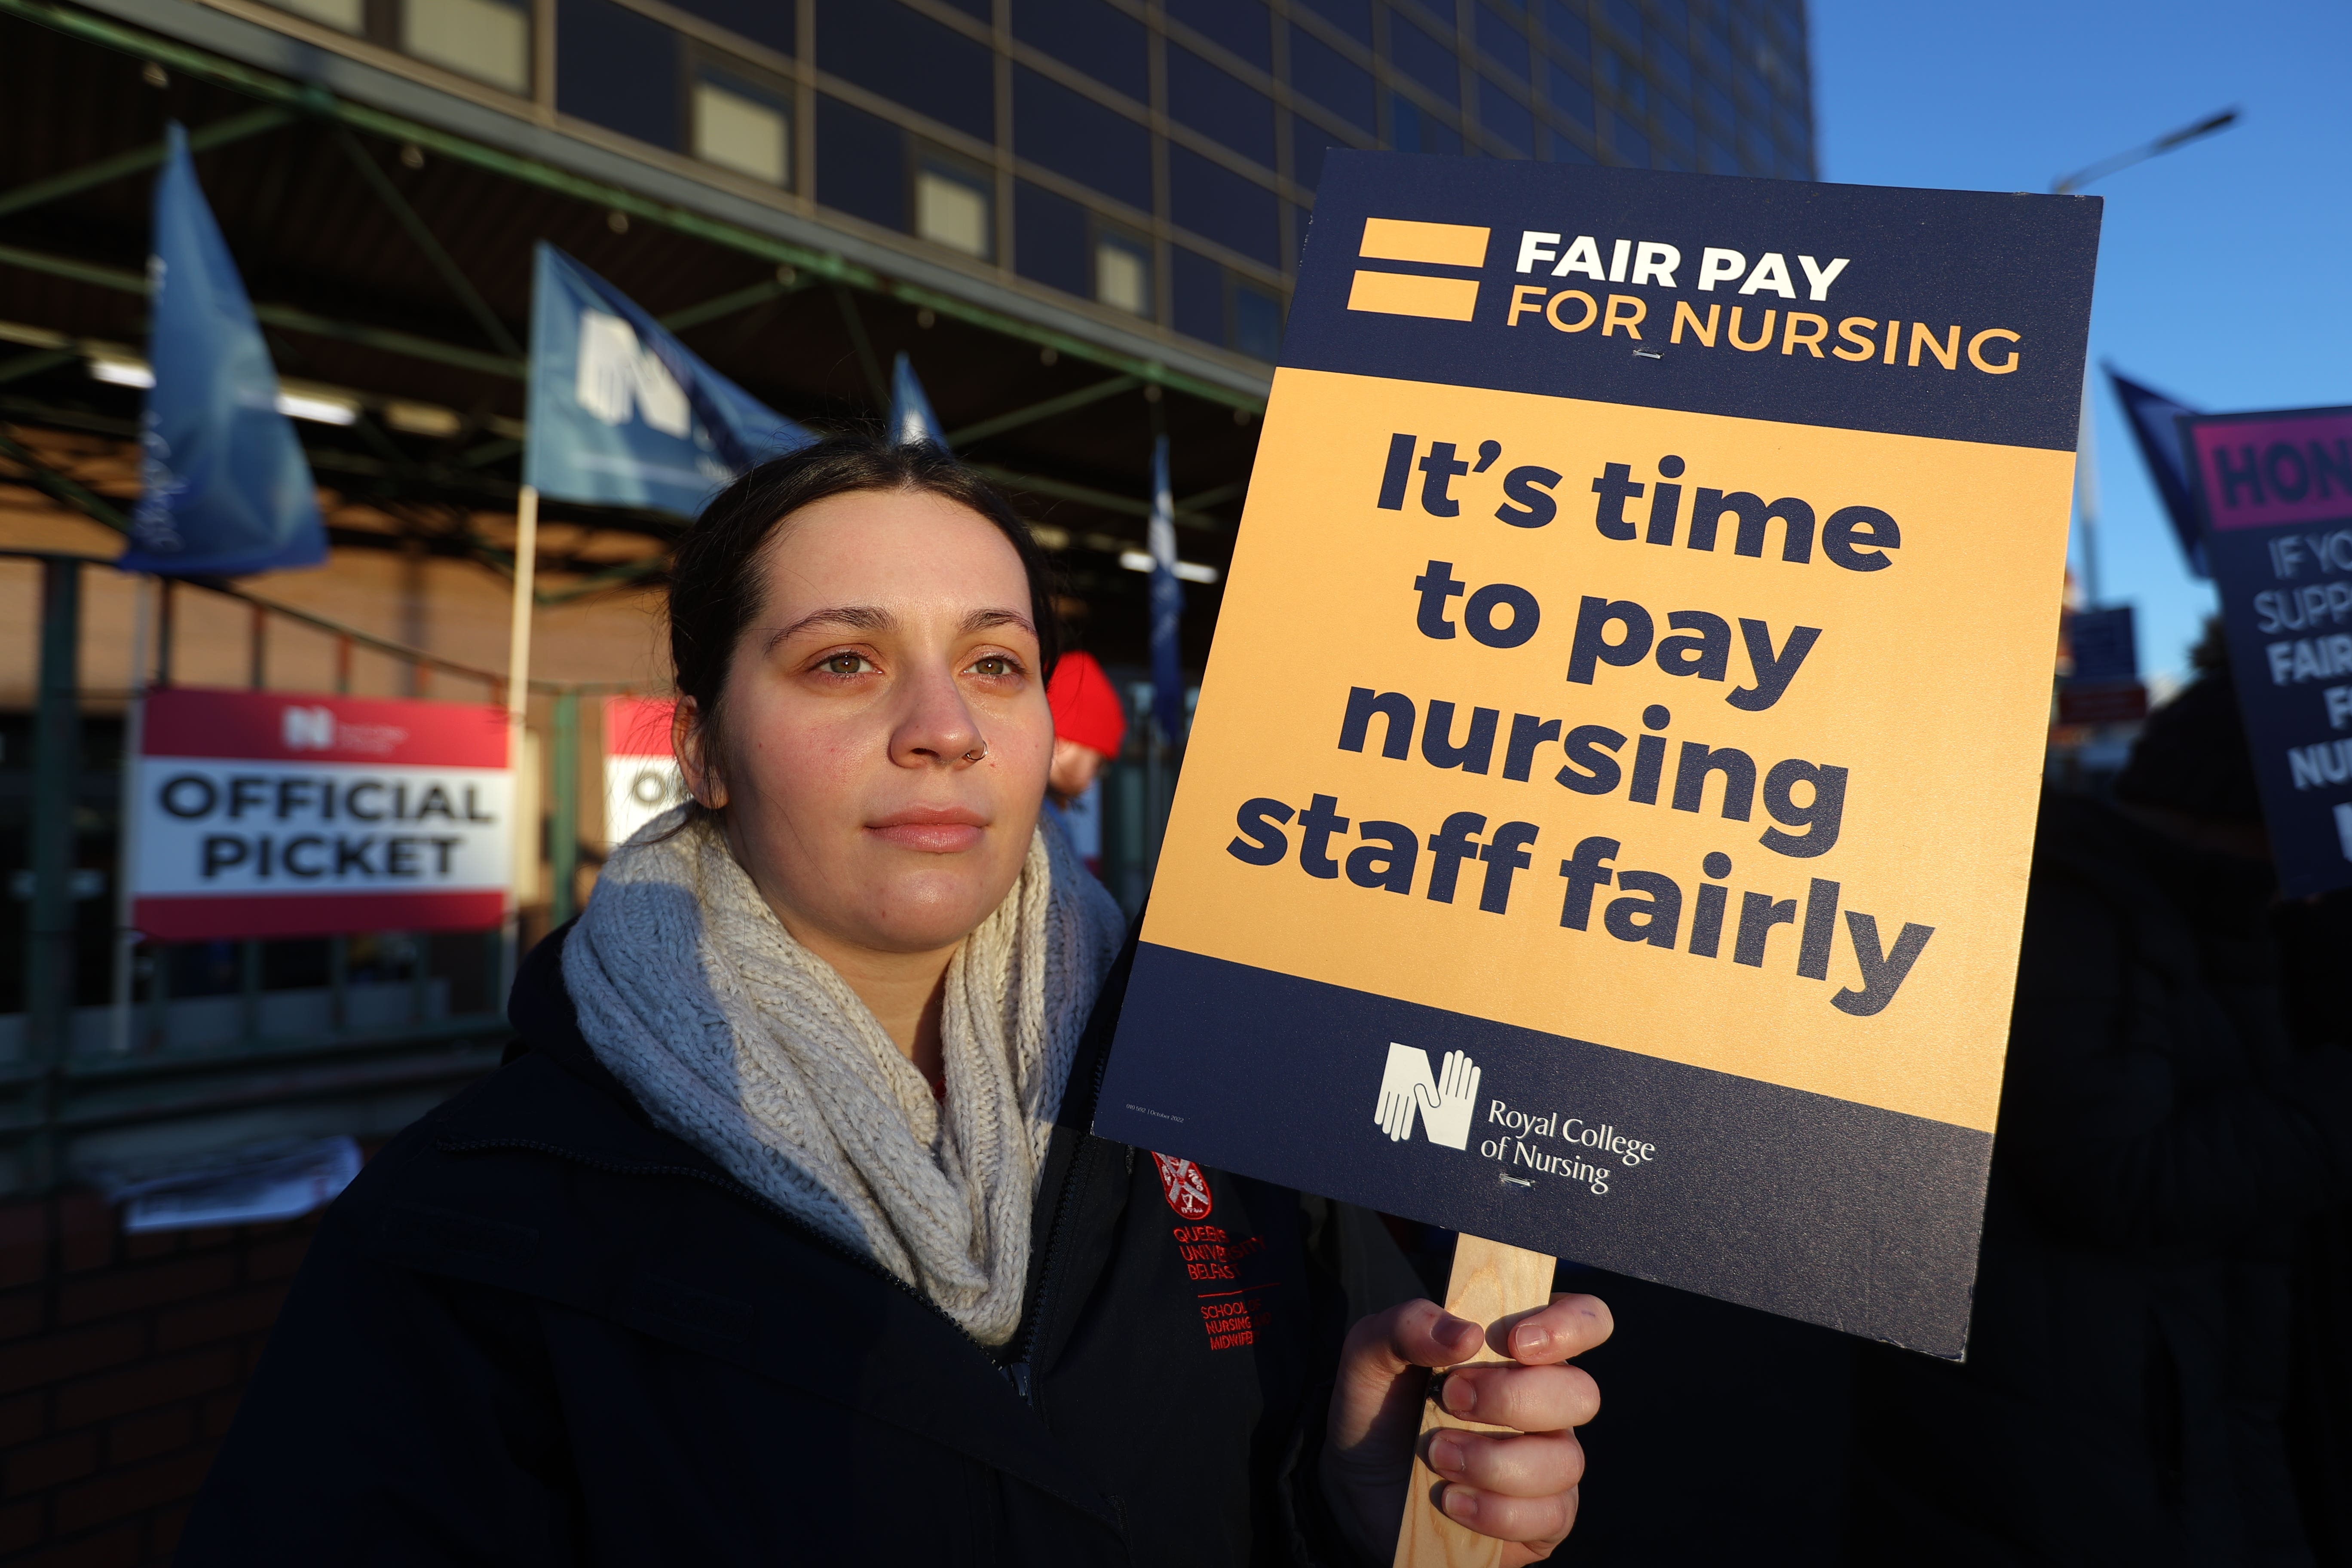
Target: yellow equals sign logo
x,y
1414,294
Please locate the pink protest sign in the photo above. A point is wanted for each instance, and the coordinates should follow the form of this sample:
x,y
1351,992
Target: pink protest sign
x,y
2275,471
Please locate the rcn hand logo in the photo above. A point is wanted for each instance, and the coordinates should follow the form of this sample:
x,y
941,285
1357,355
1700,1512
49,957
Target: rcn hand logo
x,y
1444,1100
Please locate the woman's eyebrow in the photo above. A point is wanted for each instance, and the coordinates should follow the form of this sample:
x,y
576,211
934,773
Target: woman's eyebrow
x,y
981,620
849,618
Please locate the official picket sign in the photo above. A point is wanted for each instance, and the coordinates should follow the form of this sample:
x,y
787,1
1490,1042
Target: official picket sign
x,y
2274,491
641,775
1620,752
272,814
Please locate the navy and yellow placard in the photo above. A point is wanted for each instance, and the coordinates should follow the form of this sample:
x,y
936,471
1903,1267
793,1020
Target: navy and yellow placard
x,y
1606,820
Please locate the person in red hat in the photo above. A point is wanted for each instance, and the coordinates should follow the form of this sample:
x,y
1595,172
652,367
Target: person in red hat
x,y
1090,725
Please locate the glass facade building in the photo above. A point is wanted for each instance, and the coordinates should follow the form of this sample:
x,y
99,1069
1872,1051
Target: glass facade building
x,y
1157,161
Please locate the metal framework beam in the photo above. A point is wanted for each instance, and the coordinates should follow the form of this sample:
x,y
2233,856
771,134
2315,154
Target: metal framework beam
x,y
959,439
284,316
828,265
443,262
1061,489
787,282
220,132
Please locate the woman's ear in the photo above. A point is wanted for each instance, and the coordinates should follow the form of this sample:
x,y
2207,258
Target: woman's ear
x,y
689,739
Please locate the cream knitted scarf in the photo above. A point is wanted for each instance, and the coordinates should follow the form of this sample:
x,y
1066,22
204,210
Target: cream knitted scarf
x,y
741,1041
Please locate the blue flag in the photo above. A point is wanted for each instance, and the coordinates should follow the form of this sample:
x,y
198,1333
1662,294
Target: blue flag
x,y
2155,421
622,413
1167,603
224,489
911,419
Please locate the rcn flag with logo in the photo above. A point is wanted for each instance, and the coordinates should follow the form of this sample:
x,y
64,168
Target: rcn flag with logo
x,y
224,488
622,413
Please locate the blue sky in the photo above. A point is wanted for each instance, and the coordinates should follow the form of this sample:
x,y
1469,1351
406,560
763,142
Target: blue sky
x,y
2225,267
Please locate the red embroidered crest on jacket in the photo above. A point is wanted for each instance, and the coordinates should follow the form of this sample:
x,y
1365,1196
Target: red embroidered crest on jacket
x,y
1187,1188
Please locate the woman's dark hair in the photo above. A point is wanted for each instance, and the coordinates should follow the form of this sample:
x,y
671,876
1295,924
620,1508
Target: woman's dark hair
x,y
714,588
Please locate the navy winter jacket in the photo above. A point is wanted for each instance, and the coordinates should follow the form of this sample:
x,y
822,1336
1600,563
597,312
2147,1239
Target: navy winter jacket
x,y
537,1330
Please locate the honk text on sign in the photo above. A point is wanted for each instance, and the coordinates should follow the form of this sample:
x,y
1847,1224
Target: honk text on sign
x,y
272,814
2275,493
1606,821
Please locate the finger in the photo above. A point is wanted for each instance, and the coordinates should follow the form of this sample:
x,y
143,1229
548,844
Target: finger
x,y
1524,1398
1539,1519
1568,1327
1531,1464
1416,1334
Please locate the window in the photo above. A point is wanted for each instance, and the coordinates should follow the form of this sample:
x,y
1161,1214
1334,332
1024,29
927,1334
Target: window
x,y
1077,137
1715,102
616,68
1354,17
485,39
1717,159
1257,322
1622,77
1423,59
766,22
1499,112
1631,145
908,58
1217,204
1673,66
1317,70
1217,104
1681,133
1200,296
1123,273
1049,238
861,164
1412,129
952,207
1566,28
351,16
1625,18
1568,95
1105,44
1715,49
1561,148
740,127
1308,142
1502,41
1241,25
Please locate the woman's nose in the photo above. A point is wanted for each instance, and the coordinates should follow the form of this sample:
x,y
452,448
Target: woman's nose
x,y
936,727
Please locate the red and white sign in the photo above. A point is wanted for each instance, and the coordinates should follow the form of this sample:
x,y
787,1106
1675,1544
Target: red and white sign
x,y
641,776
270,813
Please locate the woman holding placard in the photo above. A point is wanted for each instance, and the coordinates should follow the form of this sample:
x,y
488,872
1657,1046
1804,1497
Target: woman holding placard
x,y
780,1236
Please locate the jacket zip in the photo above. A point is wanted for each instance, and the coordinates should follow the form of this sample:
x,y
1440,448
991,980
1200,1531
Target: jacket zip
x,y
1019,1370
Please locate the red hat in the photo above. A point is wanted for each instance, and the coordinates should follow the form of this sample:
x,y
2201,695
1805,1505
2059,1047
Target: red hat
x,y
1085,705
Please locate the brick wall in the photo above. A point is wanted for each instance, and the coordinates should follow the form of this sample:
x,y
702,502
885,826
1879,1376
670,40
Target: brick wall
x,y
121,1358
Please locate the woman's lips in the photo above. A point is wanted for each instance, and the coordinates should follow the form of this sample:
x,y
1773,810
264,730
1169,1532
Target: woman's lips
x,y
931,830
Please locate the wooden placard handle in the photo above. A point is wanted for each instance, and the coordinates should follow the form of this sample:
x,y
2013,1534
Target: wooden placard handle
x,y
1491,1281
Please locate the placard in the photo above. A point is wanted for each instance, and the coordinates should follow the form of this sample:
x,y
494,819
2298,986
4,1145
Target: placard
x,y
641,775
2275,491
1606,819
275,814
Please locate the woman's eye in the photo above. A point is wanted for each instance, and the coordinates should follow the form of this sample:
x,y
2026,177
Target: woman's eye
x,y
995,664
844,664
